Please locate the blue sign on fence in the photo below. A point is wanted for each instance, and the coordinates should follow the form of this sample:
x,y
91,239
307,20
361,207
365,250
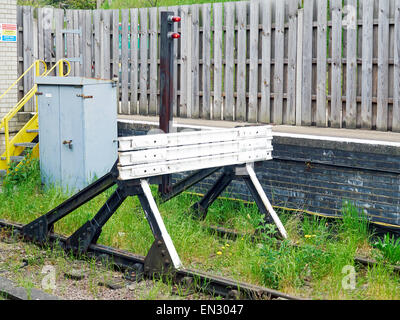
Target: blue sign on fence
x,y
9,38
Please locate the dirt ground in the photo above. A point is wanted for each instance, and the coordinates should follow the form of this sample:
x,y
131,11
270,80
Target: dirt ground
x,y
54,272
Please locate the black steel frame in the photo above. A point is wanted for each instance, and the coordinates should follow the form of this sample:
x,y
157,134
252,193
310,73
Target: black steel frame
x,y
158,259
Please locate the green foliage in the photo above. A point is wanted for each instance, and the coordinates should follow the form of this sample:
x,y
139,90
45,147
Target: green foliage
x,y
389,247
282,261
26,171
66,4
354,225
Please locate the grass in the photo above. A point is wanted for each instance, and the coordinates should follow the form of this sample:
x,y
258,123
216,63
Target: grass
x,y
310,264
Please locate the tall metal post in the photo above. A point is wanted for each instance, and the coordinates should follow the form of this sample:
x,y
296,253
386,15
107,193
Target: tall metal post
x,y
167,38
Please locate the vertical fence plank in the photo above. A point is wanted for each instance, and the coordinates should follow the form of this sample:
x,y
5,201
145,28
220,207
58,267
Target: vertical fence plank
x,y
367,53
184,61
265,108
20,49
28,54
206,72
299,66
321,109
307,63
336,95
383,64
218,67
82,41
241,10
189,70
124,61
87,50
396,82
59,25
106,17
195,45
97,48
77,44
278,69
253,70
115,43
134,61
229,102
291,70
70,39
143,106
153,107
40,24
47,35
351,65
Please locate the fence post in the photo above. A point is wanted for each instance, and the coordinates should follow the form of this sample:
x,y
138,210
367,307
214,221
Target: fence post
x,y
166,78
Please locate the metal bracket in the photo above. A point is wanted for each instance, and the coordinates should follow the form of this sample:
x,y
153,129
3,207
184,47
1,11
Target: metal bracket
x,y
84,97
37,230
75,59
72,31
158,260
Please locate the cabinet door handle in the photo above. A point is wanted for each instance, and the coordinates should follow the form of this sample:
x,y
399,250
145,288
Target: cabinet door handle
x,y
68,142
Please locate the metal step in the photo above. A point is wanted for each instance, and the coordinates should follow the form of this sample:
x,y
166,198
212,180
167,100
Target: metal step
x,y
32,130
14,158
25,144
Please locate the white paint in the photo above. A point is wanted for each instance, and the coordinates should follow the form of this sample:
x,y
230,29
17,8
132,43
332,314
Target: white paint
x,y
168,167
192,151
265,200
193,137
336,139
164,233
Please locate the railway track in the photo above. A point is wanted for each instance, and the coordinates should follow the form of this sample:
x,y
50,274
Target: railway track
x,y
201,281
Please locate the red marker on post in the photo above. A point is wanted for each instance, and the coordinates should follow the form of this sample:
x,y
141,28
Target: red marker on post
x,y
174,19
174,35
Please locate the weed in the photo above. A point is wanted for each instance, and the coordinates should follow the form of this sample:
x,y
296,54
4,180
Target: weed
x,y
355,224
22,173
389,247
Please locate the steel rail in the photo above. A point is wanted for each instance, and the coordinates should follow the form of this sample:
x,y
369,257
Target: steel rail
x,y
204,282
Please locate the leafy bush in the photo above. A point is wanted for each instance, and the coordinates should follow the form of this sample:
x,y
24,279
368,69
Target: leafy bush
x,y
27,170
67,4
390,248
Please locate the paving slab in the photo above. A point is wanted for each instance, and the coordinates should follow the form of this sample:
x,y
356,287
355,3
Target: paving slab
x,y
12,292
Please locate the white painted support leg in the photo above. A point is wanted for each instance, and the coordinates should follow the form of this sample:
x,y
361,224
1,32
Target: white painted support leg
x,y
164,233
263,196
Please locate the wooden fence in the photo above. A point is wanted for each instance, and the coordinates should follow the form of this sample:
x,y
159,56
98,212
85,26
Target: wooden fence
x,y
310,62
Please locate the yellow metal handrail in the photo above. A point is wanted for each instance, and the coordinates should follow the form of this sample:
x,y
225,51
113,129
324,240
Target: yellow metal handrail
x,y
31,93
35,64
60,64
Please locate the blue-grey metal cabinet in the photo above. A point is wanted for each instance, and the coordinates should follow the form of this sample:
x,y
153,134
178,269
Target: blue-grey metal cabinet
x,y
77,130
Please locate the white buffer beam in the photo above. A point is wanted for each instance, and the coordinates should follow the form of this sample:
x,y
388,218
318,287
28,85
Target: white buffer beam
x,y
192,151
167,167
192,137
